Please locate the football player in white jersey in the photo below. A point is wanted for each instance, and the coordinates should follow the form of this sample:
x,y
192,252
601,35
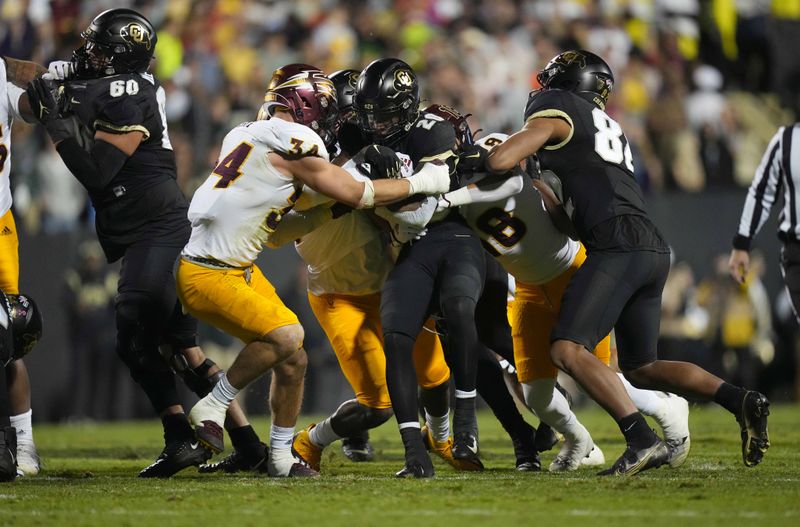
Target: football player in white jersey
x,y
14,76
260,175
512,218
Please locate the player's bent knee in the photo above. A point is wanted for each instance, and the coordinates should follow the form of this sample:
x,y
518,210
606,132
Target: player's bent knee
x,y
286,341
563,353
640,377
375,417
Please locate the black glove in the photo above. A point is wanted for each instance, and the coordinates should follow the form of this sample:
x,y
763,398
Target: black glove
x,y
383,162
472,159
45,106
340,209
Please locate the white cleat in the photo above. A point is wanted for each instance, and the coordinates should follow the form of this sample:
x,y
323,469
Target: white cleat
x,y
675,424
28,462
595,458
572,453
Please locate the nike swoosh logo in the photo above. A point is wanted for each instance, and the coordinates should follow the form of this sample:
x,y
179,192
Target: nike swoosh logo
x,y
194,445
628,429
73,100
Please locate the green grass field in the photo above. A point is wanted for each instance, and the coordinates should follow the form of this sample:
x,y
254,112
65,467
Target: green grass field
x,y
89,472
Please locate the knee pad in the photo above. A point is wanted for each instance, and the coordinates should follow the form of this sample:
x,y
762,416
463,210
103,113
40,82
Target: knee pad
x,y
181,330
138,333
459,311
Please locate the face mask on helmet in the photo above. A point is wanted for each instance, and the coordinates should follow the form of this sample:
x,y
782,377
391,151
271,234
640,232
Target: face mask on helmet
x,y
581,72
93,60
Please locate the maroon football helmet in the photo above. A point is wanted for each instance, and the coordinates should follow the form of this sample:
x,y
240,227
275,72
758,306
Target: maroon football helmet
x,y
308,95
454,117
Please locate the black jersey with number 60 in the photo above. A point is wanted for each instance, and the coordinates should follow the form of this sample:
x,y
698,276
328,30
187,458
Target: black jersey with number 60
x,y
596,168
143,201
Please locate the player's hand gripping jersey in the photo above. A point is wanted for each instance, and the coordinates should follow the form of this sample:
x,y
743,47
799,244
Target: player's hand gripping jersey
x,y
143,201
595,165
245,197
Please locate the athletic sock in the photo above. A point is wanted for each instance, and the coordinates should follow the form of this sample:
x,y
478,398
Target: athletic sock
x,y
280,438
464,418
439,426
728,396
645,400
550,405
412,440
637,433
223,391
493,390
176,428
244,438
22,422
322,434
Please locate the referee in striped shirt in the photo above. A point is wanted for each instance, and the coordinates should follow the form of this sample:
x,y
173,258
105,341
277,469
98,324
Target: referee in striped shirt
x,y
779,171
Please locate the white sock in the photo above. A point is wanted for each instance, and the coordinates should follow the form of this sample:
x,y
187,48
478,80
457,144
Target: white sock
x,y
223,391
323,435
280,438
409,424
460,394
647,401
552,407
22,423
439,426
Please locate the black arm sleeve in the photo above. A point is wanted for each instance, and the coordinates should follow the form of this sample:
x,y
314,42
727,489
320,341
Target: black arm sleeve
x,y
94,169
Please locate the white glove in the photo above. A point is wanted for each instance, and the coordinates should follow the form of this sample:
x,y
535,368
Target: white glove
x,y
59,70
432,179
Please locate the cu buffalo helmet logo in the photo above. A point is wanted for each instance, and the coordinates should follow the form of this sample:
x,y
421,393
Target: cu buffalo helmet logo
x,y
570,57
352,79
403,80
135,34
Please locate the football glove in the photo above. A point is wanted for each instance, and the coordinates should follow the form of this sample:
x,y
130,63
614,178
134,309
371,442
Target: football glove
x,y
383,162
45,106
472,159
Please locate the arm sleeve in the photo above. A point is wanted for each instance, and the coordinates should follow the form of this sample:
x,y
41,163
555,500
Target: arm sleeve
x,y
761,194
94,169
485,191
297,224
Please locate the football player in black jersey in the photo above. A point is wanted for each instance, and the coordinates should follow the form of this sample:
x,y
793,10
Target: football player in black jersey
x,y
620,284
108,124
443,271
20,330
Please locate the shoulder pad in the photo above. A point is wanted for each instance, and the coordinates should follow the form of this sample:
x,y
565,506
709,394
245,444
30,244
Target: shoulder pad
x,y
292,139
430,137
548,101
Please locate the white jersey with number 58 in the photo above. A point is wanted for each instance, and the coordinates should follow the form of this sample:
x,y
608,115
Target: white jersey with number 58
x,y
519,232
245,197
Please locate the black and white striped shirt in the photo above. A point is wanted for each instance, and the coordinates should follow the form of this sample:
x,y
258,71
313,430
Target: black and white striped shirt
x,y
779,171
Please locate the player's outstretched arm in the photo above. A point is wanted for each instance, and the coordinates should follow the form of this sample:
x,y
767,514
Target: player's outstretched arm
x,y
337,183
534,135
20,73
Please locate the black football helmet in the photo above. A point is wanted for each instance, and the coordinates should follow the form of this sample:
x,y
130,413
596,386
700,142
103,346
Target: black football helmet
x,y
581,72
387,100
20,325
345,82
117,41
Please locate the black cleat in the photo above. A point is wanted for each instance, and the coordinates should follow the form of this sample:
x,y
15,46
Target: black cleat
x,y
546,438
753,420
525,451
417,468
465,448
8,453
240,462
175,457
358,448
633,461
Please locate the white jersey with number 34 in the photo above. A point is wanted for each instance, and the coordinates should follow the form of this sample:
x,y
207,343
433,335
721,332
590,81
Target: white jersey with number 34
x,y
519,232
245,197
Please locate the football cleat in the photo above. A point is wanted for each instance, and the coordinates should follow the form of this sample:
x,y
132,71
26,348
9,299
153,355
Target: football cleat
x,y
675,424
358,448
546,437
300,470
28,462
465,449
284,464
594,458
525,452
238,461
207,418
633,461
175,457
417,468
444,449
8,453
753,420
305,450
573,452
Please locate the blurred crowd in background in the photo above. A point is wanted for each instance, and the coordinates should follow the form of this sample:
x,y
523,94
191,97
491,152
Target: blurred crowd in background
x,y
701,86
